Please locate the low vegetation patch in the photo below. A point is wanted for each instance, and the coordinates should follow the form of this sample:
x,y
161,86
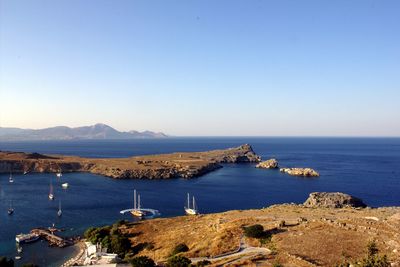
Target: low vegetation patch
x,y
178,261
179,249
373,259
142,261
5,262
111,238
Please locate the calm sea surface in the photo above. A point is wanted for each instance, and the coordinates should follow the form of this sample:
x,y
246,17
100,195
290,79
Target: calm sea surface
x,y
368,168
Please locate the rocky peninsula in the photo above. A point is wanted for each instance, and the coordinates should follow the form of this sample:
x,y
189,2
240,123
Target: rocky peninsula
x,y
163,166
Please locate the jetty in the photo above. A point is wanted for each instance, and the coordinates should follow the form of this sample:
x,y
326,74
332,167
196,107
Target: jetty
x,y
49,236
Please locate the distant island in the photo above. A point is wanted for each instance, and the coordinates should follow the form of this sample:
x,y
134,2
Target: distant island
x,y
94,132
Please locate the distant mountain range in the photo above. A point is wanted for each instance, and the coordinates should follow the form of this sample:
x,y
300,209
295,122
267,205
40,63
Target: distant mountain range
x,y
97,131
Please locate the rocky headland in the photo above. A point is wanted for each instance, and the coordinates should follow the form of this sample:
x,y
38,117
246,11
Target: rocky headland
x,y
333,200
163,166
309,234
305,172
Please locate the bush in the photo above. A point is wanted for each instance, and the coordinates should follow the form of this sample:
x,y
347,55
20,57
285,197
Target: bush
x,y
4,262
29,265
254,231
178,261
179,248
142,261
120,245
203,263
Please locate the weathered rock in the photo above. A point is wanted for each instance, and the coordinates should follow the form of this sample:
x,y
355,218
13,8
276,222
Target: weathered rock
x,y
333,200
306,172
268,164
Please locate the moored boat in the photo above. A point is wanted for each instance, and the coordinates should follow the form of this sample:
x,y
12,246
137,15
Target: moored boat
x,y
11,179
10,210
51,194
26,238
59,212
136,211
191,210
64,185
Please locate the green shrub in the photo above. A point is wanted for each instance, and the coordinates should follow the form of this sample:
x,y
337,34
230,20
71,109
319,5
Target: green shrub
x,y
4,262
120,245
203,263
179,248
178,261
254,231
277,264
142,261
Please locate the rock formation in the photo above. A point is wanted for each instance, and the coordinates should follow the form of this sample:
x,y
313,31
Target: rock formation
x,y
268,164
164,166
306,172
333,200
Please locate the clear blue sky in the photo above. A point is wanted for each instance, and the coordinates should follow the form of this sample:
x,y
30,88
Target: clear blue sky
x,y
313,68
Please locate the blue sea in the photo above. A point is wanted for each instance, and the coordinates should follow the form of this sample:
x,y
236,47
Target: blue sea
x,y
368,168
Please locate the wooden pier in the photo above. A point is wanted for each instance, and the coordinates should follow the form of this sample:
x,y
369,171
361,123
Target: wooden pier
x,y
54,240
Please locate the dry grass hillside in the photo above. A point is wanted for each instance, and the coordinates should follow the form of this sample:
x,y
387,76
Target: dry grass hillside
x,y
300,236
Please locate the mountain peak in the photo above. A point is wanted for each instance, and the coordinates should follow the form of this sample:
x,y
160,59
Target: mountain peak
x,y
96,131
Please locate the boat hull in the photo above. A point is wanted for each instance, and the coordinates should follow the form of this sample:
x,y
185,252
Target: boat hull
x,y
191,212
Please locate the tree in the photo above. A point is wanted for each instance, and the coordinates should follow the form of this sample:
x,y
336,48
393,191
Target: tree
x,y
179,248
178,261
142,261
120,245
254,231
4,262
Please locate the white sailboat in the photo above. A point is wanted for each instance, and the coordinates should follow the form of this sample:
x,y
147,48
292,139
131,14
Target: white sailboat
x,y
191,210
59,212
11,179
64,185
51,194
59,174
137,212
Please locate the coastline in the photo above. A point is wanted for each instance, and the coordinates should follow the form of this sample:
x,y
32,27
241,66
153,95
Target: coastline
x,y
162,166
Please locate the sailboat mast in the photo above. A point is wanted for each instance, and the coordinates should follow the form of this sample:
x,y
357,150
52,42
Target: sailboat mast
x,y
138,201
188,201
134,199
194,204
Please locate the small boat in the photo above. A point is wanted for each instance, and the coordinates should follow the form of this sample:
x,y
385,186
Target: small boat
x,y
26,238
137,212
18,257
11,179
51,194
19,248
64,185
59,174
10,210
188,209
25,172
59,212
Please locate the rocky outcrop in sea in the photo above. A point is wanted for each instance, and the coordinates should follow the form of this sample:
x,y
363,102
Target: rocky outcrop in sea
x,y
268,164
306,172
